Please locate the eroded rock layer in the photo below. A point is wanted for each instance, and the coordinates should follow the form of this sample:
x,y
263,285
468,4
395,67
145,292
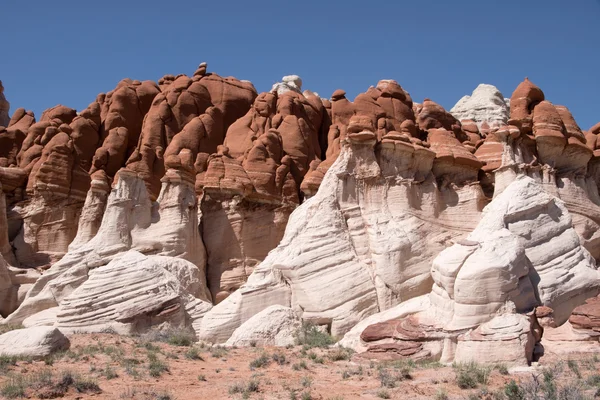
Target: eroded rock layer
x,y
197,202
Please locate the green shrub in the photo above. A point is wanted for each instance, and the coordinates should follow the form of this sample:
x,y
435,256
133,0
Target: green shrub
x,y
279,358
470,375
193,354
155,366
513,391
340,353
13,388
262,361
383,394
310,336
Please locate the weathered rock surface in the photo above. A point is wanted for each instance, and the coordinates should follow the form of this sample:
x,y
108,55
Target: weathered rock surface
x,y
485,105
35,342
134,292
274,326
364,217
130,222
524,253
337,263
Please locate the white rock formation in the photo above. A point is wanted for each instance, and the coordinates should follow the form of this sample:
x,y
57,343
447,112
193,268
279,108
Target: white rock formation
x,y
274,326
362,244
35,342
288,83
485,104
505,339
168,227
523,253
134,292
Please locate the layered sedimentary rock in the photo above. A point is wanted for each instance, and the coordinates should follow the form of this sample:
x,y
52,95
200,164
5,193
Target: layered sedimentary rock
x,y
198,202
486,105
384,109
362,244
251,185
524,253
131,221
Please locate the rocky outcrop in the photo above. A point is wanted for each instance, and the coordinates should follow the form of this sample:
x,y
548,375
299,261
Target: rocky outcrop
x,y
134,292
130,222
36,343
486,105
384,109
524,253
198,202
336,263
274,326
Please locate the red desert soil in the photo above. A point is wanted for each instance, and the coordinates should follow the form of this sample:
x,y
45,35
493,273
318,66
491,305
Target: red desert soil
x,y
122,366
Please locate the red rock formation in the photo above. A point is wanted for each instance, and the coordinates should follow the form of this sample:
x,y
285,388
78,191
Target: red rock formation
x,y
181,100
525,97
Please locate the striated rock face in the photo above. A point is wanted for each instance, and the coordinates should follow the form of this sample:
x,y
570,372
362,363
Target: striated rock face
x,y
337,262
524,253
413,231
486,105
134,292
130,222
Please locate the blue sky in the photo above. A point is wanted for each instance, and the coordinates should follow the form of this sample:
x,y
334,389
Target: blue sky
x,y
69,51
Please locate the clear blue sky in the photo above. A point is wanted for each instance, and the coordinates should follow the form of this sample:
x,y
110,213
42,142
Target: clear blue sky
x,y
68,51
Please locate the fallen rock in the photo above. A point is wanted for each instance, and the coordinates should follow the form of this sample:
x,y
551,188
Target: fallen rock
x,y
273,326
37,342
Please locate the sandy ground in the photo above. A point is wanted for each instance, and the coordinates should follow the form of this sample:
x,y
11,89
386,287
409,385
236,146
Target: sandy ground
x,y
121,367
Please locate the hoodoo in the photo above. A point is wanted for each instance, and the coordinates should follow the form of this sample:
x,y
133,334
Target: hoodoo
x,y
405,230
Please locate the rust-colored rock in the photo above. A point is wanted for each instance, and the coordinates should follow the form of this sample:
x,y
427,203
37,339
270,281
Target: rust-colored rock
x,y
525,97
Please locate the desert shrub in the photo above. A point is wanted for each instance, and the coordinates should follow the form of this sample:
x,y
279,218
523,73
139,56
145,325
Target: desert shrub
x,y
502,369
109,372
340,353
383,394
244,388
513,391
13,388
279,358
574,367
305,396
311,336
155,366
193,354
262,361
470,375
218,351
306,381
299,366
390,378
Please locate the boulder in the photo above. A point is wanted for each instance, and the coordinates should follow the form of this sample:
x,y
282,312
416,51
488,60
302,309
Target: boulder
x,y
274,326
37,342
